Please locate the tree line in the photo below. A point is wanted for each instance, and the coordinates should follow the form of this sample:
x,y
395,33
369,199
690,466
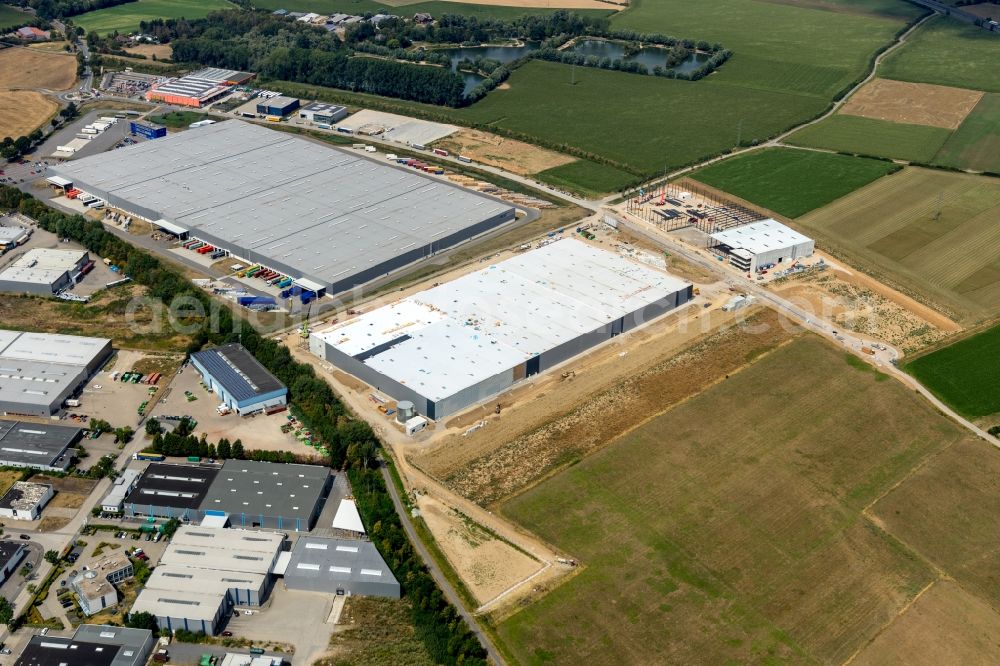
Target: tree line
x,y
351,442
54,9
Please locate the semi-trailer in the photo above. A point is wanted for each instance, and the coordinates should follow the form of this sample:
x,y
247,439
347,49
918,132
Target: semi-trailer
x,y
284,283
463,158
440,151
247,301
307,296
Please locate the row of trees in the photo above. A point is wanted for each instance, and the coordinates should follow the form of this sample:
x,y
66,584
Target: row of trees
x,y
54,9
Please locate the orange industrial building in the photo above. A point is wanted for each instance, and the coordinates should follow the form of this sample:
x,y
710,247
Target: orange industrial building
x,y
198,88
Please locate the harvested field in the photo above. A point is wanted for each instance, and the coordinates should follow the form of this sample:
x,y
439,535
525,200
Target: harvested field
x,y
946,625
487,565
32,68
946,512
912,103
859,309
730,529
932,234
160,51
515,156
505,457
23,111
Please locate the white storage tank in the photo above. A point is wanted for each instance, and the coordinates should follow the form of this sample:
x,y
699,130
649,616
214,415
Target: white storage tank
x,y
404,411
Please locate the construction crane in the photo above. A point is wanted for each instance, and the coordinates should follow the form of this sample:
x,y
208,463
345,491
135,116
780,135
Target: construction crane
x,y
304,329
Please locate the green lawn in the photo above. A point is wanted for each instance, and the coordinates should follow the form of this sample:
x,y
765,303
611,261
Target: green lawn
x,y
949,53
181,119
976,143
966,374
793,182
9,17
125,18
869,136
730,529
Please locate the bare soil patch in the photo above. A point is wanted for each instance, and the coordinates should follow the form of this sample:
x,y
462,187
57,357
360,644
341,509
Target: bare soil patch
x,y
22,111
161,51
67,484
914,103
487,565
945,625
53,523
32,68
67,501
505,457
515,156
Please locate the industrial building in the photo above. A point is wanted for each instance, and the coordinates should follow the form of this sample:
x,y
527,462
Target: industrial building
x,y
277,496
752,247
95,587
464,341
44,447
123,486
11,554
205,572
321,112
91,645
239,379
197,88
170,491
25,501
328,218
11,237
45,272
279,106
38,371
338,566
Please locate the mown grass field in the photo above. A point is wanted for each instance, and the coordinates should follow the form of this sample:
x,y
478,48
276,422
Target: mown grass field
x,y
730,529
868,136
792,182
125,18
966,374
586,177
976,143
9,17
932,233
949,53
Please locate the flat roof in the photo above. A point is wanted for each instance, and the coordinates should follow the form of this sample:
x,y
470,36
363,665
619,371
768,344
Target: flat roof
x,y
12,234
189,579
176,486
50,347
92,585
762,236
219,549
238,371
322,107
8,551
317,558
36,444
23,495
178,603
50,259
133,644
455,335
280,100
57,651
267,489
324,212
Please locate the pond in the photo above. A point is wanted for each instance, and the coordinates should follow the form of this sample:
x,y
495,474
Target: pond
x,y
502,54
650,56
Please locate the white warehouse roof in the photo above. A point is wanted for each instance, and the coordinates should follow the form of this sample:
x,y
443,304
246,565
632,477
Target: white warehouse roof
x,y
460,333
760,237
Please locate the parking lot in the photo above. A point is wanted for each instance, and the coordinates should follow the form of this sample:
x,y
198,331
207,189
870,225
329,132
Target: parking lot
x,y
289,616
113,400
261,432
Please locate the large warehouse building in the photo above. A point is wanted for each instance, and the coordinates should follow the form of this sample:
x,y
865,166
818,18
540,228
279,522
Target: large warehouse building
x,y
328,218
44,272
766,243
197,88
464,341
240,381
338,566
38,371
36,446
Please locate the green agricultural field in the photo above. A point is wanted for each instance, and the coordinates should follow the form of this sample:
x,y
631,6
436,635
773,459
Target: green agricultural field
x,y
869,136
587,178
9,17
792,182
738,538
966,374
934,234
125,18
976,143
949,53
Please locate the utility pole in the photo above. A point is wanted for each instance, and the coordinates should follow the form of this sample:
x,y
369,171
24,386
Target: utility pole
x,y
739,133
572,70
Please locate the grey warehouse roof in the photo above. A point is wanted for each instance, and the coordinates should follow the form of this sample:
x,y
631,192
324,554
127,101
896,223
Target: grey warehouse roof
x,y
176,486
269,489
319,564
33,444
238,371
8,551
328,213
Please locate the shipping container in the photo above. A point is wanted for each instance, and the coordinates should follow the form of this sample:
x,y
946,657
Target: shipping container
x,y
155,457
307,296
274,119
284,283
441,152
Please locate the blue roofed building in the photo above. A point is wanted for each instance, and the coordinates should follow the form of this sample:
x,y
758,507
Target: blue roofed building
x,y
240,381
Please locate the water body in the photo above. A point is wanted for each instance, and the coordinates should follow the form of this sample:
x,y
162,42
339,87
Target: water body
x,y
502,54
650,56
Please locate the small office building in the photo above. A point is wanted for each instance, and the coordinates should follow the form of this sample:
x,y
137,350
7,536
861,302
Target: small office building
x,y
321,112
277,106
95,588
25,501
43,447
339,566
240,381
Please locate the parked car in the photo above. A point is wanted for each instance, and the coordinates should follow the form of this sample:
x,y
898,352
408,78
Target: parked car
x,y
227,633
25,537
